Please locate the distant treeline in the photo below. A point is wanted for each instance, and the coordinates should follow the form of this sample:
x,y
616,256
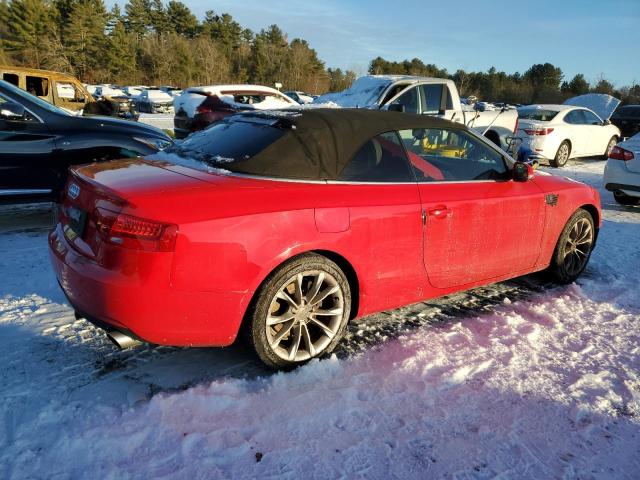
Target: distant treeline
x,y
153,42
156,43
542,83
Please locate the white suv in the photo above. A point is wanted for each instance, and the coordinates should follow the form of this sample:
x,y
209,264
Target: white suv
x,y
622,172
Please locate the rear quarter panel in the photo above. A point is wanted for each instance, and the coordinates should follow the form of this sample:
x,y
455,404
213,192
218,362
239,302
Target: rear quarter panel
x,y
256,230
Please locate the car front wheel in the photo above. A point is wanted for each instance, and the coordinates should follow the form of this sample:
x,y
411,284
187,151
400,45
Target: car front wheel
x,y
574,247
300,312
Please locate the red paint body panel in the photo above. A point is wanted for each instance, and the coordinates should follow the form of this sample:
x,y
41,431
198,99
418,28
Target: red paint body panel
x,y
233,231
477,231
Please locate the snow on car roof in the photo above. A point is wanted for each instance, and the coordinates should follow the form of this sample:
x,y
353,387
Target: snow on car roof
x,y
365,91
239,87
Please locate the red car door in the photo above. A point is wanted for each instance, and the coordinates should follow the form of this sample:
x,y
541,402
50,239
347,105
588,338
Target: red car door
x,y
478,223
385,233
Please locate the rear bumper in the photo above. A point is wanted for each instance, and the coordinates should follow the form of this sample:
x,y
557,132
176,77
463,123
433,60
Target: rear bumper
x,y
147,310
617,177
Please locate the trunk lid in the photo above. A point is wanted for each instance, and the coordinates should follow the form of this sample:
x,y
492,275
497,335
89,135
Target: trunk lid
x,y
129,186
603,105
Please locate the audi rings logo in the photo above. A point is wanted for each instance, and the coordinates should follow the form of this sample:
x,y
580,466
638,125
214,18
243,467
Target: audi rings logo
x,y
74,191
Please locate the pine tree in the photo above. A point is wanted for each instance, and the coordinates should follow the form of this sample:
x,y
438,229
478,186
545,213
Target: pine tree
x,y
159,17
138,17
84,37
120,55
181,20
30,26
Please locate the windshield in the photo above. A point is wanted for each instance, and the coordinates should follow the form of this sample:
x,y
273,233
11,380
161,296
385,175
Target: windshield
x,y
224,144
28,98
540,114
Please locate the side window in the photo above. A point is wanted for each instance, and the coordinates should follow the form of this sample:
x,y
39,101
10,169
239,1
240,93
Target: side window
x,y
381,159
11,78
409,99
437,155
591,118
575,117
38,86
431,98
67,92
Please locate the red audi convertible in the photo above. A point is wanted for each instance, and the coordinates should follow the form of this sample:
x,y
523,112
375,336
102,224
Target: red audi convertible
x,y
284,226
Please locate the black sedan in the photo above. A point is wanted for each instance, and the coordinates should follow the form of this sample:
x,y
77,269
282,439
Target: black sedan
x,y
627,119
39,141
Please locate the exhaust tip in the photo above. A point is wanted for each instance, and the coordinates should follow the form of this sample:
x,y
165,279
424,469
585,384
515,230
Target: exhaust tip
x,y
121,340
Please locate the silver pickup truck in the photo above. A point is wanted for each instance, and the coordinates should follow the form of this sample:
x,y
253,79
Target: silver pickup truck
x,y
428,96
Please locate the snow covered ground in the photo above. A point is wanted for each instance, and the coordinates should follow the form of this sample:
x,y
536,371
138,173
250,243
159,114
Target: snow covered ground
x,y
163,121
516,380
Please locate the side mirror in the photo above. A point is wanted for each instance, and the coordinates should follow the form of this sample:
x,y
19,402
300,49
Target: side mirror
x,y
522,172
11,111
606,122
396,107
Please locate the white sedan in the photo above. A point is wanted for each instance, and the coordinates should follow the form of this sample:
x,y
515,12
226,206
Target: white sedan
x,y
556,133
622,172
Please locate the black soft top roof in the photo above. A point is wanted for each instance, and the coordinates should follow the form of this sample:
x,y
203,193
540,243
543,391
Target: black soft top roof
x,y
319,142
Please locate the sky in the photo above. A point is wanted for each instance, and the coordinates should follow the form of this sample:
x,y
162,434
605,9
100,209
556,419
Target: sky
x,y
597,38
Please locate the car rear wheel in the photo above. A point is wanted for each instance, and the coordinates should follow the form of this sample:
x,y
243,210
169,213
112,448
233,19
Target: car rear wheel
x,y
612,143
300,312
562,155
573,249
623,199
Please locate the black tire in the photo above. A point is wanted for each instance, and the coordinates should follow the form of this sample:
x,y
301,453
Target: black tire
x,y
612,143
563,268
257,331
627,200
562,155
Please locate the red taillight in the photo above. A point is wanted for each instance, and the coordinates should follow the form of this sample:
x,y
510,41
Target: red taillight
x,y
211,104
204,109
618,153
134,232
538,131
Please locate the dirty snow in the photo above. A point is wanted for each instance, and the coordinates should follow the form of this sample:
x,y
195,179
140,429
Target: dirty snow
x,y
516,380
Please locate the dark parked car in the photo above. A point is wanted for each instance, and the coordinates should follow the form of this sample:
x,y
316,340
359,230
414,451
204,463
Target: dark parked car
x,y
627,119
39,141
198,107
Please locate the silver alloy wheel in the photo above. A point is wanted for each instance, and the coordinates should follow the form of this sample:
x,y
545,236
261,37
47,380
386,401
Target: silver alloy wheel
x,y
305,315
578,246
563,154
